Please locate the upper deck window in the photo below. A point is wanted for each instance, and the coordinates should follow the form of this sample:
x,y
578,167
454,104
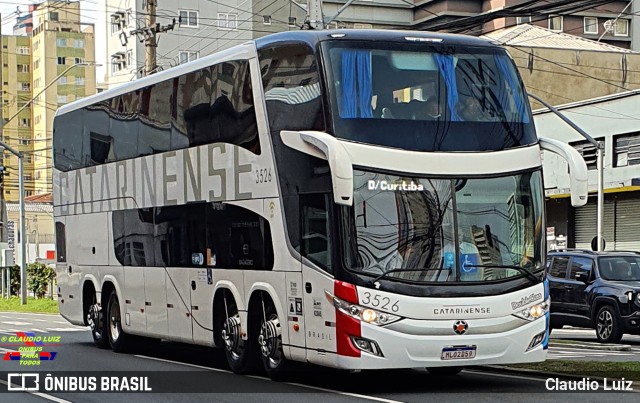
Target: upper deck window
x,y
427,97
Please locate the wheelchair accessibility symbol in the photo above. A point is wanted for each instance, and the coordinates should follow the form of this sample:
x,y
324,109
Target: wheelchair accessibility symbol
x,y
469,263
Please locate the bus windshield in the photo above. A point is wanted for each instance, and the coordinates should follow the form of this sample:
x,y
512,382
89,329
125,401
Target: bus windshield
x,y
426,96
444,230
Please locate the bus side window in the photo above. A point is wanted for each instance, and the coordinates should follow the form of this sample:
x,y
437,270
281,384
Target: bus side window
x,y
291,88
315,233
215,105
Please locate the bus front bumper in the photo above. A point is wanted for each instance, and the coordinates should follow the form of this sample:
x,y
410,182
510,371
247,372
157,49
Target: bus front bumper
x,y
402,350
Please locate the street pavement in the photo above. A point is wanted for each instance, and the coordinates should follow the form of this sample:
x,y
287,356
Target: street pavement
x,y
186,363
592,352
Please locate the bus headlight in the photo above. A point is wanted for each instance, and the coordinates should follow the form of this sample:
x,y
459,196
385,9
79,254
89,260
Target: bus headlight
x,y
363,313
534,312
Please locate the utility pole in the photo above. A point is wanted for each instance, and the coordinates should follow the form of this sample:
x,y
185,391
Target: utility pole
x,y
151,45
148,35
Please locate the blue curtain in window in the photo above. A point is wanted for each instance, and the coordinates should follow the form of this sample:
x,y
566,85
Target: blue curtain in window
x,y
448,71
356,84
506,71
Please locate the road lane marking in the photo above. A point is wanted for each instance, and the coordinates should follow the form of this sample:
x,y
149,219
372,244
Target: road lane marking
x,y
378,399
39,394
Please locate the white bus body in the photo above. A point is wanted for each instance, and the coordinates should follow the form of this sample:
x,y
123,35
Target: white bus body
x,y
167,235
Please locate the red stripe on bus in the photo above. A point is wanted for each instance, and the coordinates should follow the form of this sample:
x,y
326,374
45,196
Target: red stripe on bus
x,y
346,326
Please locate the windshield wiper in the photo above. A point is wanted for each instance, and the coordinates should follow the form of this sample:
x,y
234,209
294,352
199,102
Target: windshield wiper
x,y
401,270
529,274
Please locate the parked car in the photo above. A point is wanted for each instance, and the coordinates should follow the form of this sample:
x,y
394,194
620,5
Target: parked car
x,y
598,290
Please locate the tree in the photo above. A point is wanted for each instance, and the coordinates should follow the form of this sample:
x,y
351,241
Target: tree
x,y
39,276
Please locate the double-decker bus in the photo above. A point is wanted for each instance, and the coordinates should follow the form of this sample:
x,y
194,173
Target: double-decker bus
x,y
353,199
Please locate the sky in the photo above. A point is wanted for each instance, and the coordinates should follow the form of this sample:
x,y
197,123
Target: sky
x,y
91,13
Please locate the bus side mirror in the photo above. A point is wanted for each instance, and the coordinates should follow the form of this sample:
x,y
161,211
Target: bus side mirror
x,y
578,177
325,146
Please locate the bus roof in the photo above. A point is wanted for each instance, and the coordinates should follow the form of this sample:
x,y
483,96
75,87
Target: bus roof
x,y
313,37
310,37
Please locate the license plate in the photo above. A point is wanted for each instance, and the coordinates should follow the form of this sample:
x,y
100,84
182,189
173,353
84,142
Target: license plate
x,y
458,352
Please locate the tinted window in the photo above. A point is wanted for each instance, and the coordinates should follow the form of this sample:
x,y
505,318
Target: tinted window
x,y
291,89
61,242
211,105
134,237
620,268
558,267
216,105
580,264
193,235
316,245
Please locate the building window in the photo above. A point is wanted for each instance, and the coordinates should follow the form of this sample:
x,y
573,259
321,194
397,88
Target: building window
x,y
23,142
626,150
266,20
292,22
523,20
62,80
62,60
362,26
227,21
61,42
36,120
621,28
25,87
591,25
187,56
24,122
62,99
79,80
116,67
36,83
27,159
78,43
115,27
77,60
23,50
36,64
53,16
23,68
189,18
36,45
129,58
588,152
555,23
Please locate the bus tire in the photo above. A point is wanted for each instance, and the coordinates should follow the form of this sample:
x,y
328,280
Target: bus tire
x,y
275,364
118,339
241,354
96,322
444,371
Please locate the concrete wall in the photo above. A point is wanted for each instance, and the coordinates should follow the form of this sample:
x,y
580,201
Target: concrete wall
x,y
604,119
548,73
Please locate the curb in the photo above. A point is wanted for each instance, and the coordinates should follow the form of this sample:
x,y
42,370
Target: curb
x,y
599,346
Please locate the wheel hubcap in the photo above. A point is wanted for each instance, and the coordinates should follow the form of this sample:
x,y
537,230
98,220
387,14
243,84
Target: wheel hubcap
x,y
231,336
114,320
93,318
269,341
605,324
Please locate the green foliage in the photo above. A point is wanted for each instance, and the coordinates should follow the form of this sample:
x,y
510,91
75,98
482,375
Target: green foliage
x,y
39,277
44,305
15,279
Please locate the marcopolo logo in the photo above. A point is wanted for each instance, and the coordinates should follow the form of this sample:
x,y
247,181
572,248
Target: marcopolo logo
x,y
526,300
395,186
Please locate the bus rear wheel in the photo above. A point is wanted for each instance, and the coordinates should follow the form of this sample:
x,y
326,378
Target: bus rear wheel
x,y
95,320
118,339
237,350
275,364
